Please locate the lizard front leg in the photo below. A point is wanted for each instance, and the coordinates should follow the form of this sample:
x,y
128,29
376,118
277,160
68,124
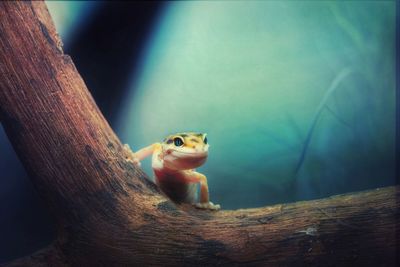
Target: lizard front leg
x,y
205,203
139,155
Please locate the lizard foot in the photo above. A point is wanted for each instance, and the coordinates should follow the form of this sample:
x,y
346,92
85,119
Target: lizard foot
x,y
208,206
131,156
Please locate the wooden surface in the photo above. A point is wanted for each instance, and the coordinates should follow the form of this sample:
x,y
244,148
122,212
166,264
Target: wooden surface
x,y
109,214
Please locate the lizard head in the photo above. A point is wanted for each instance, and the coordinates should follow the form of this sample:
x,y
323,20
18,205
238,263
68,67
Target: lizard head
x,y
183,151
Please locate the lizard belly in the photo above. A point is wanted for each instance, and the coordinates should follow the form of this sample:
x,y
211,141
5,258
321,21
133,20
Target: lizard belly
x,y
177,190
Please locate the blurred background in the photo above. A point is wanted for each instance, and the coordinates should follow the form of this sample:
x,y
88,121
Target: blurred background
x,y
297,98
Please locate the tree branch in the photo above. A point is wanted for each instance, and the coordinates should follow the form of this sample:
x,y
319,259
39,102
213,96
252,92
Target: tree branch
x,y
108,212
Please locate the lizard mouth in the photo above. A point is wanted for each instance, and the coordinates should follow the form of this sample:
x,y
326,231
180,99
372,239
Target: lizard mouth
x,y
183,154
185,160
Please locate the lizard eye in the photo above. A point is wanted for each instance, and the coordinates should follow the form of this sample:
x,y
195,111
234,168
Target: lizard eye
x,y
178,141
205,140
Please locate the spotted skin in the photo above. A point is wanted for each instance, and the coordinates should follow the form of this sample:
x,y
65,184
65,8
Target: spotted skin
x,y
174,162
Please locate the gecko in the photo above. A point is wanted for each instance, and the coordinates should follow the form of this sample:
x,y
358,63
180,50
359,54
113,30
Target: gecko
x,y
174,161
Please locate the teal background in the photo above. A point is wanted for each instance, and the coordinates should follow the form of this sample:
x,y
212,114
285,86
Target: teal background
x,y
255,76
297,97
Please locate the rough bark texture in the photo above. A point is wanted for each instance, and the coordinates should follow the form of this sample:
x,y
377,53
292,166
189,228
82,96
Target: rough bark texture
x,y
109,214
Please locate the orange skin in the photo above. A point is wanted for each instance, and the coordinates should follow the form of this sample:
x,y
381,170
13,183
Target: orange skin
x,y
173,163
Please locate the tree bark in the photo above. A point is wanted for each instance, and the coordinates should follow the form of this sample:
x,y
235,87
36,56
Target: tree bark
x,y
108,212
